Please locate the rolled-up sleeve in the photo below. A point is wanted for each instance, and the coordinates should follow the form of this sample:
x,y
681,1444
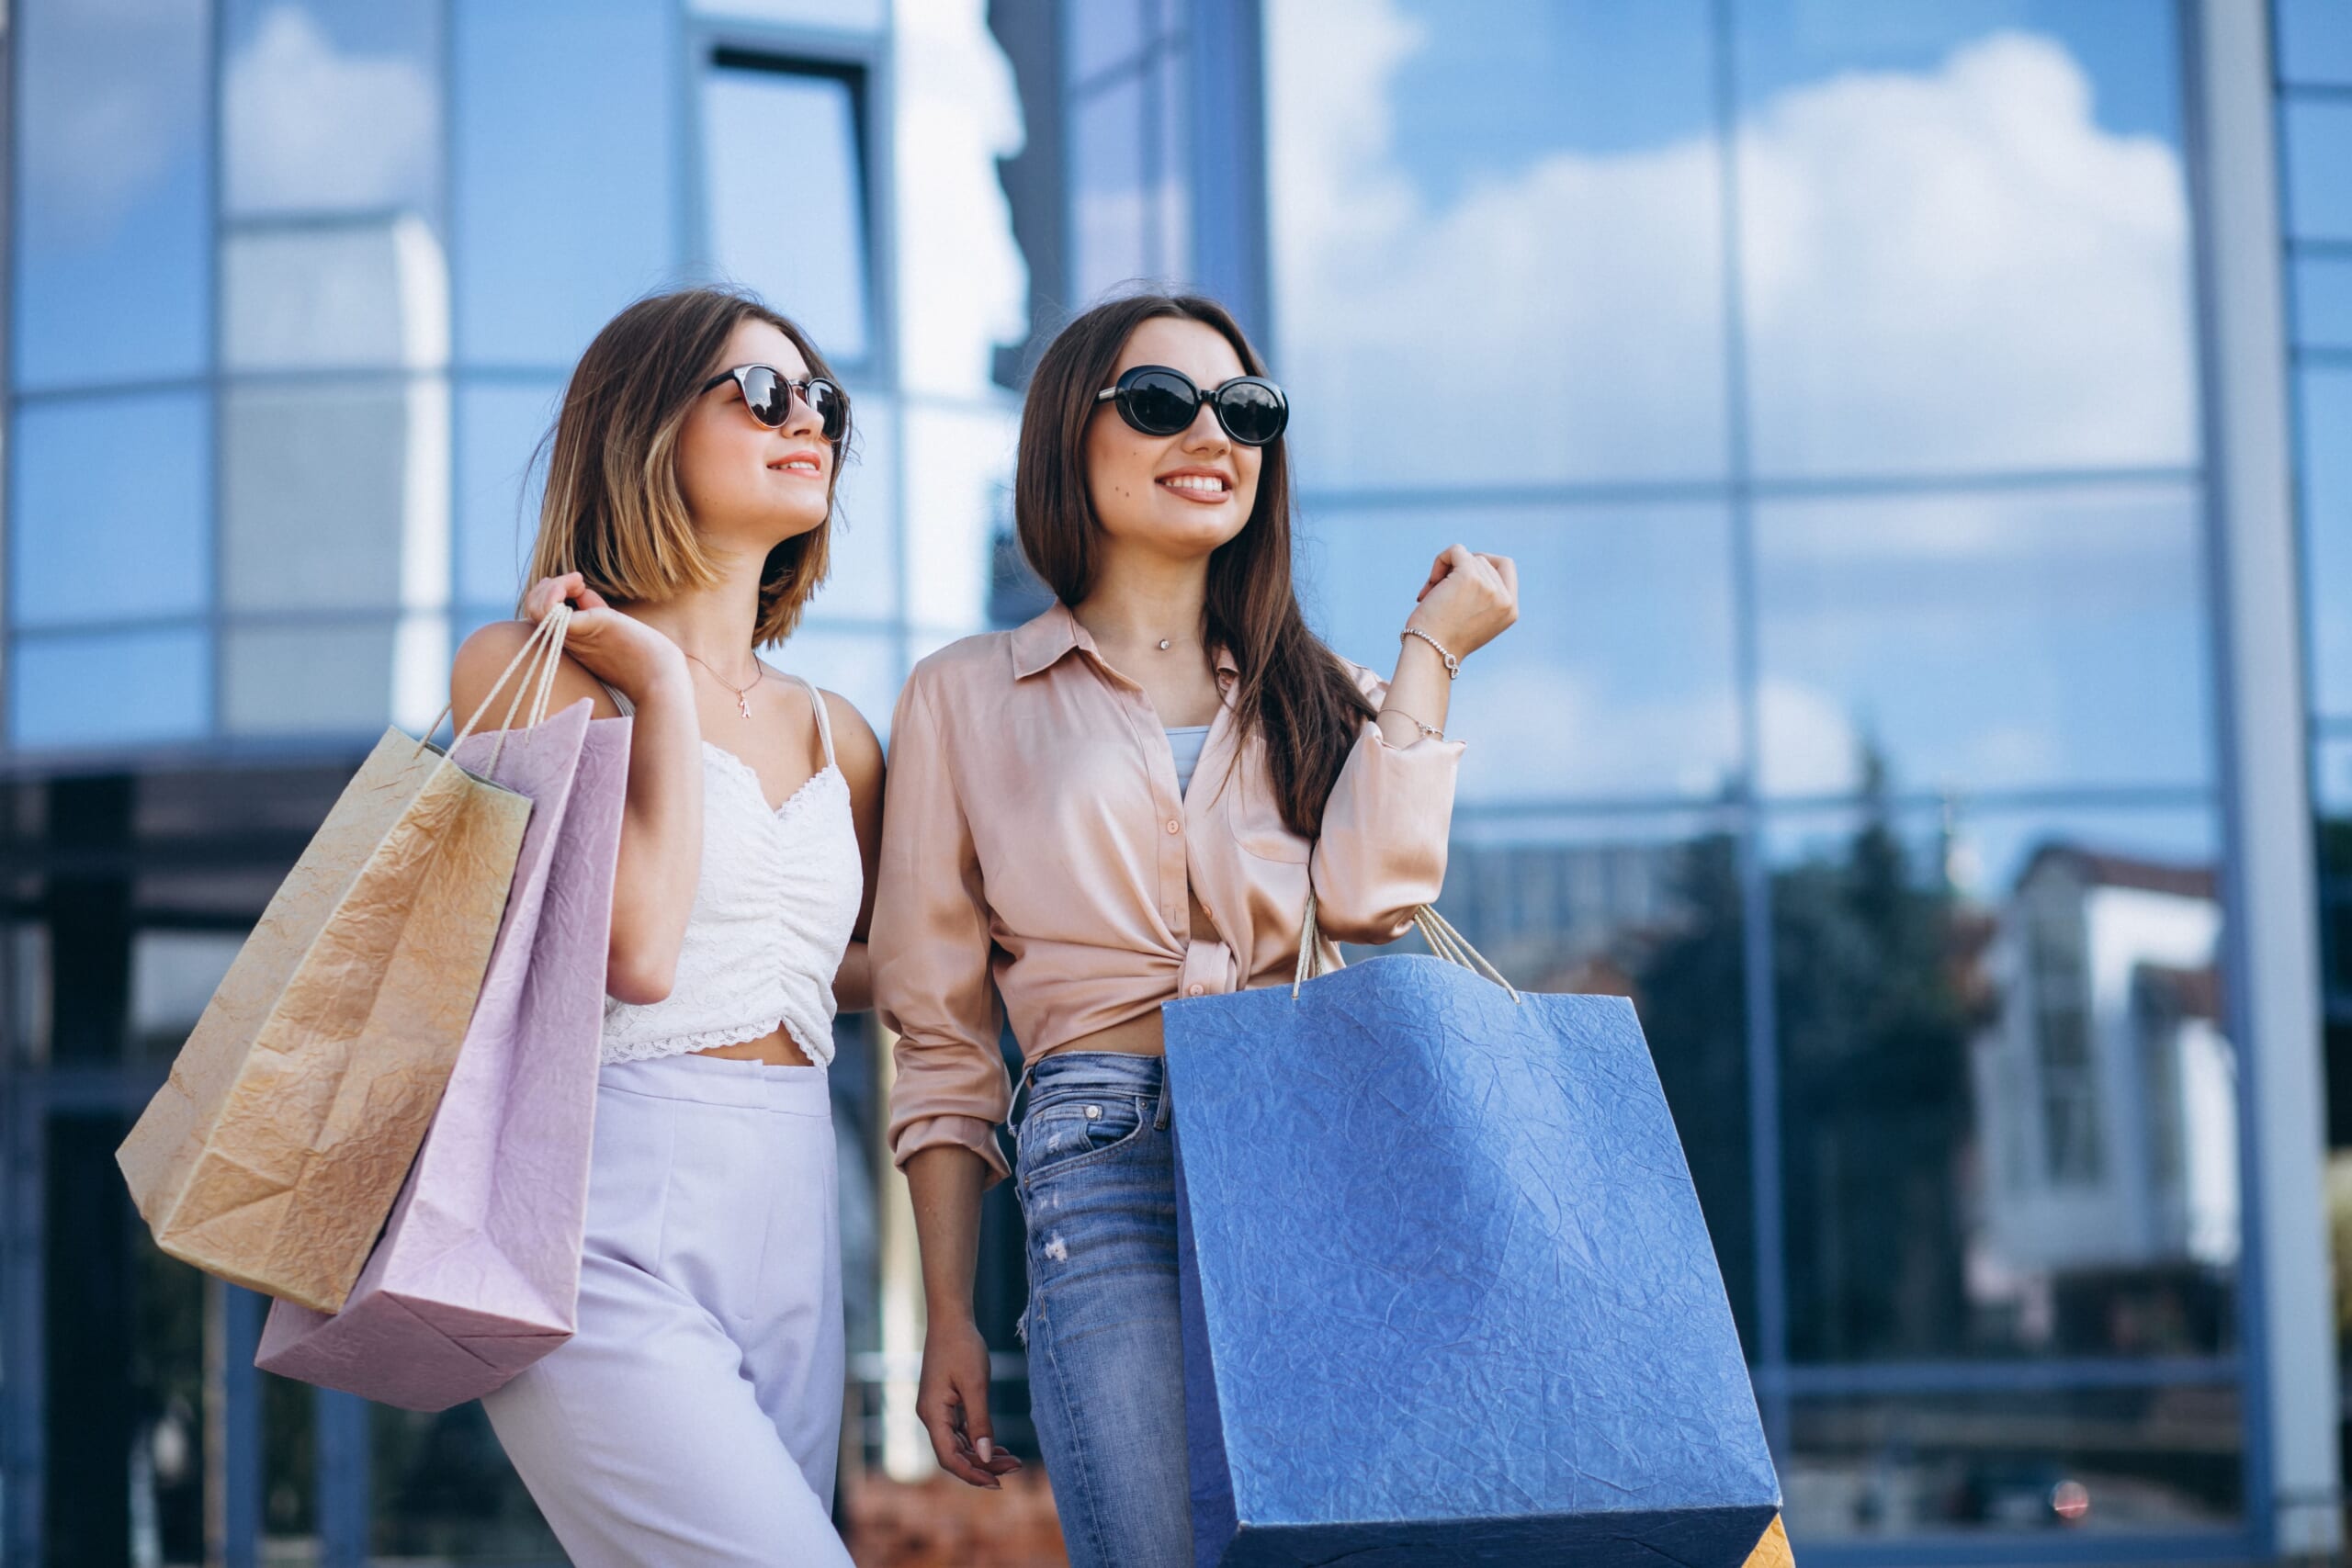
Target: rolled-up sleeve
x,y
1382,852
930,951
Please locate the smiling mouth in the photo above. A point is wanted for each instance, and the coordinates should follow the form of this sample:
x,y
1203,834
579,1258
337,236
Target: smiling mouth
x,y
1197,487
797,465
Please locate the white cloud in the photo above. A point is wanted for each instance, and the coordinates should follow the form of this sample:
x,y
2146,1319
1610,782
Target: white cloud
x,y
1563,323
1950,269
1961,269
112,107
1811,745
312,128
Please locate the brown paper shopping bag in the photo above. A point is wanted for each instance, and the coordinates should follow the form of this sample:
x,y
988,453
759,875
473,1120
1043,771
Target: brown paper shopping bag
x,y
273,1152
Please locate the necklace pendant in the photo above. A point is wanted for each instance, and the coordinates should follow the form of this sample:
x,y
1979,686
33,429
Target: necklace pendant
x,y
742,705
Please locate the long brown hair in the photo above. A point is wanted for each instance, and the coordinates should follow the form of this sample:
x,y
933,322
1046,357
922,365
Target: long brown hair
x,y
1293,690
614,510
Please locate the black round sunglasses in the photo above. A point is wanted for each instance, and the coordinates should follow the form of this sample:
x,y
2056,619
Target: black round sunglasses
x,y
1161,401
768,394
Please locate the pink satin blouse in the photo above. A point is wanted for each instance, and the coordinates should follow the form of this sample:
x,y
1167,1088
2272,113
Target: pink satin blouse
x,y
1036,847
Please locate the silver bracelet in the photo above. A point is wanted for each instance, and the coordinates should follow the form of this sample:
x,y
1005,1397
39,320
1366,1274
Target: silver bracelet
x,y
1431,730
1452,665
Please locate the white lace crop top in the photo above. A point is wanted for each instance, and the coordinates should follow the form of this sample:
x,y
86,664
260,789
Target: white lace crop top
x,y
772,914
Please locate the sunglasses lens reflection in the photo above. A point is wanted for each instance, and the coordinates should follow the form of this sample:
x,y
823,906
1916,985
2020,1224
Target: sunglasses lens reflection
x,y
764,395
1160,402
831,406
1253,413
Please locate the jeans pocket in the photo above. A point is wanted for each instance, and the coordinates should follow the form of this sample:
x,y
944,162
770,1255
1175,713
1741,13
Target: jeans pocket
x,y
1072,1129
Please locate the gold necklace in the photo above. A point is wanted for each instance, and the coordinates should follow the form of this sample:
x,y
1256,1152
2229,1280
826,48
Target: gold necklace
x,y
742,701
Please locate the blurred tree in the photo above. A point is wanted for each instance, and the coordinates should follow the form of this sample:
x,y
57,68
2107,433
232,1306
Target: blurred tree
x,y
1875,1023
1687,983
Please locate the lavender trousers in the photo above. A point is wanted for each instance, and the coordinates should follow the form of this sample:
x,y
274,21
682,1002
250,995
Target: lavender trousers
x,y
694,1418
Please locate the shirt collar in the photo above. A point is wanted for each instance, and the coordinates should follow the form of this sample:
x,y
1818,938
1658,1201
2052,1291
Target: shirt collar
x,y
1041,643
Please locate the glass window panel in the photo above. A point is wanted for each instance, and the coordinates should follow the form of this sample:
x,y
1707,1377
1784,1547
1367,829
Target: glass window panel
x,y
107,688
1647,908
238,893
2323,300
865,580
958,474
500,426
794,231
30,971
858,14
122,1349
564,200
308,678
468,619
1983,641
2314,41
332,493
2332,779
441,1491
1617,681
1499,222
113,509
1171,208
1109,182
2053,1466
1965,237
2008,1108
290,1478
173,977
331,105
112,201
2319,168
334,293
2324,421
2332,787
861,666
1102,34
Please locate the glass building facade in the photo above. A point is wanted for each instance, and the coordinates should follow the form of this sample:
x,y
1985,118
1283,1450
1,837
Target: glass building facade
x,y
1922,431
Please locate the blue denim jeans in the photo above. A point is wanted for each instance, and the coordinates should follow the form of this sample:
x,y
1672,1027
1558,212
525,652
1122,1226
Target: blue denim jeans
x,y
1097,1179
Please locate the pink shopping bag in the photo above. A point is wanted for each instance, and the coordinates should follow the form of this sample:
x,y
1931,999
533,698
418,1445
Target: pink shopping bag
x,y
478,1273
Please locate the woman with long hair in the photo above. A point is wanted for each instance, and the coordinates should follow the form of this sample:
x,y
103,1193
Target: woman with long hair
x,y
1125,801
694,1417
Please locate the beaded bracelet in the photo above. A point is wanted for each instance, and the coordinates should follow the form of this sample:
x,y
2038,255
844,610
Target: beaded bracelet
x,y
1452,665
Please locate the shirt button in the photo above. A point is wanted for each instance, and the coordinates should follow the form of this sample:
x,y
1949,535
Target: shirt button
x,y
1194,990
1174,826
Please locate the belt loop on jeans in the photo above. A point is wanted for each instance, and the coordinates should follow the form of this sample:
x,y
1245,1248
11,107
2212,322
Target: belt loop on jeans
x,y
1167,1106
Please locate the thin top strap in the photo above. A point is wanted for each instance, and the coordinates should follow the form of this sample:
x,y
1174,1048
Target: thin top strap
x,y
824,721
619,701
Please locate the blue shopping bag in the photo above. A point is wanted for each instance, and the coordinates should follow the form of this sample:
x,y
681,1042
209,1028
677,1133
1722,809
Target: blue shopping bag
x,y
1448,1296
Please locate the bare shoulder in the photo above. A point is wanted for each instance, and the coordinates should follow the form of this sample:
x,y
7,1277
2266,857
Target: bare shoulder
x,y
485,655
855,745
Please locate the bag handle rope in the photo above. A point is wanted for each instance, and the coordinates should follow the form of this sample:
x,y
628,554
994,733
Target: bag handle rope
x,y
539,656
1443,940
